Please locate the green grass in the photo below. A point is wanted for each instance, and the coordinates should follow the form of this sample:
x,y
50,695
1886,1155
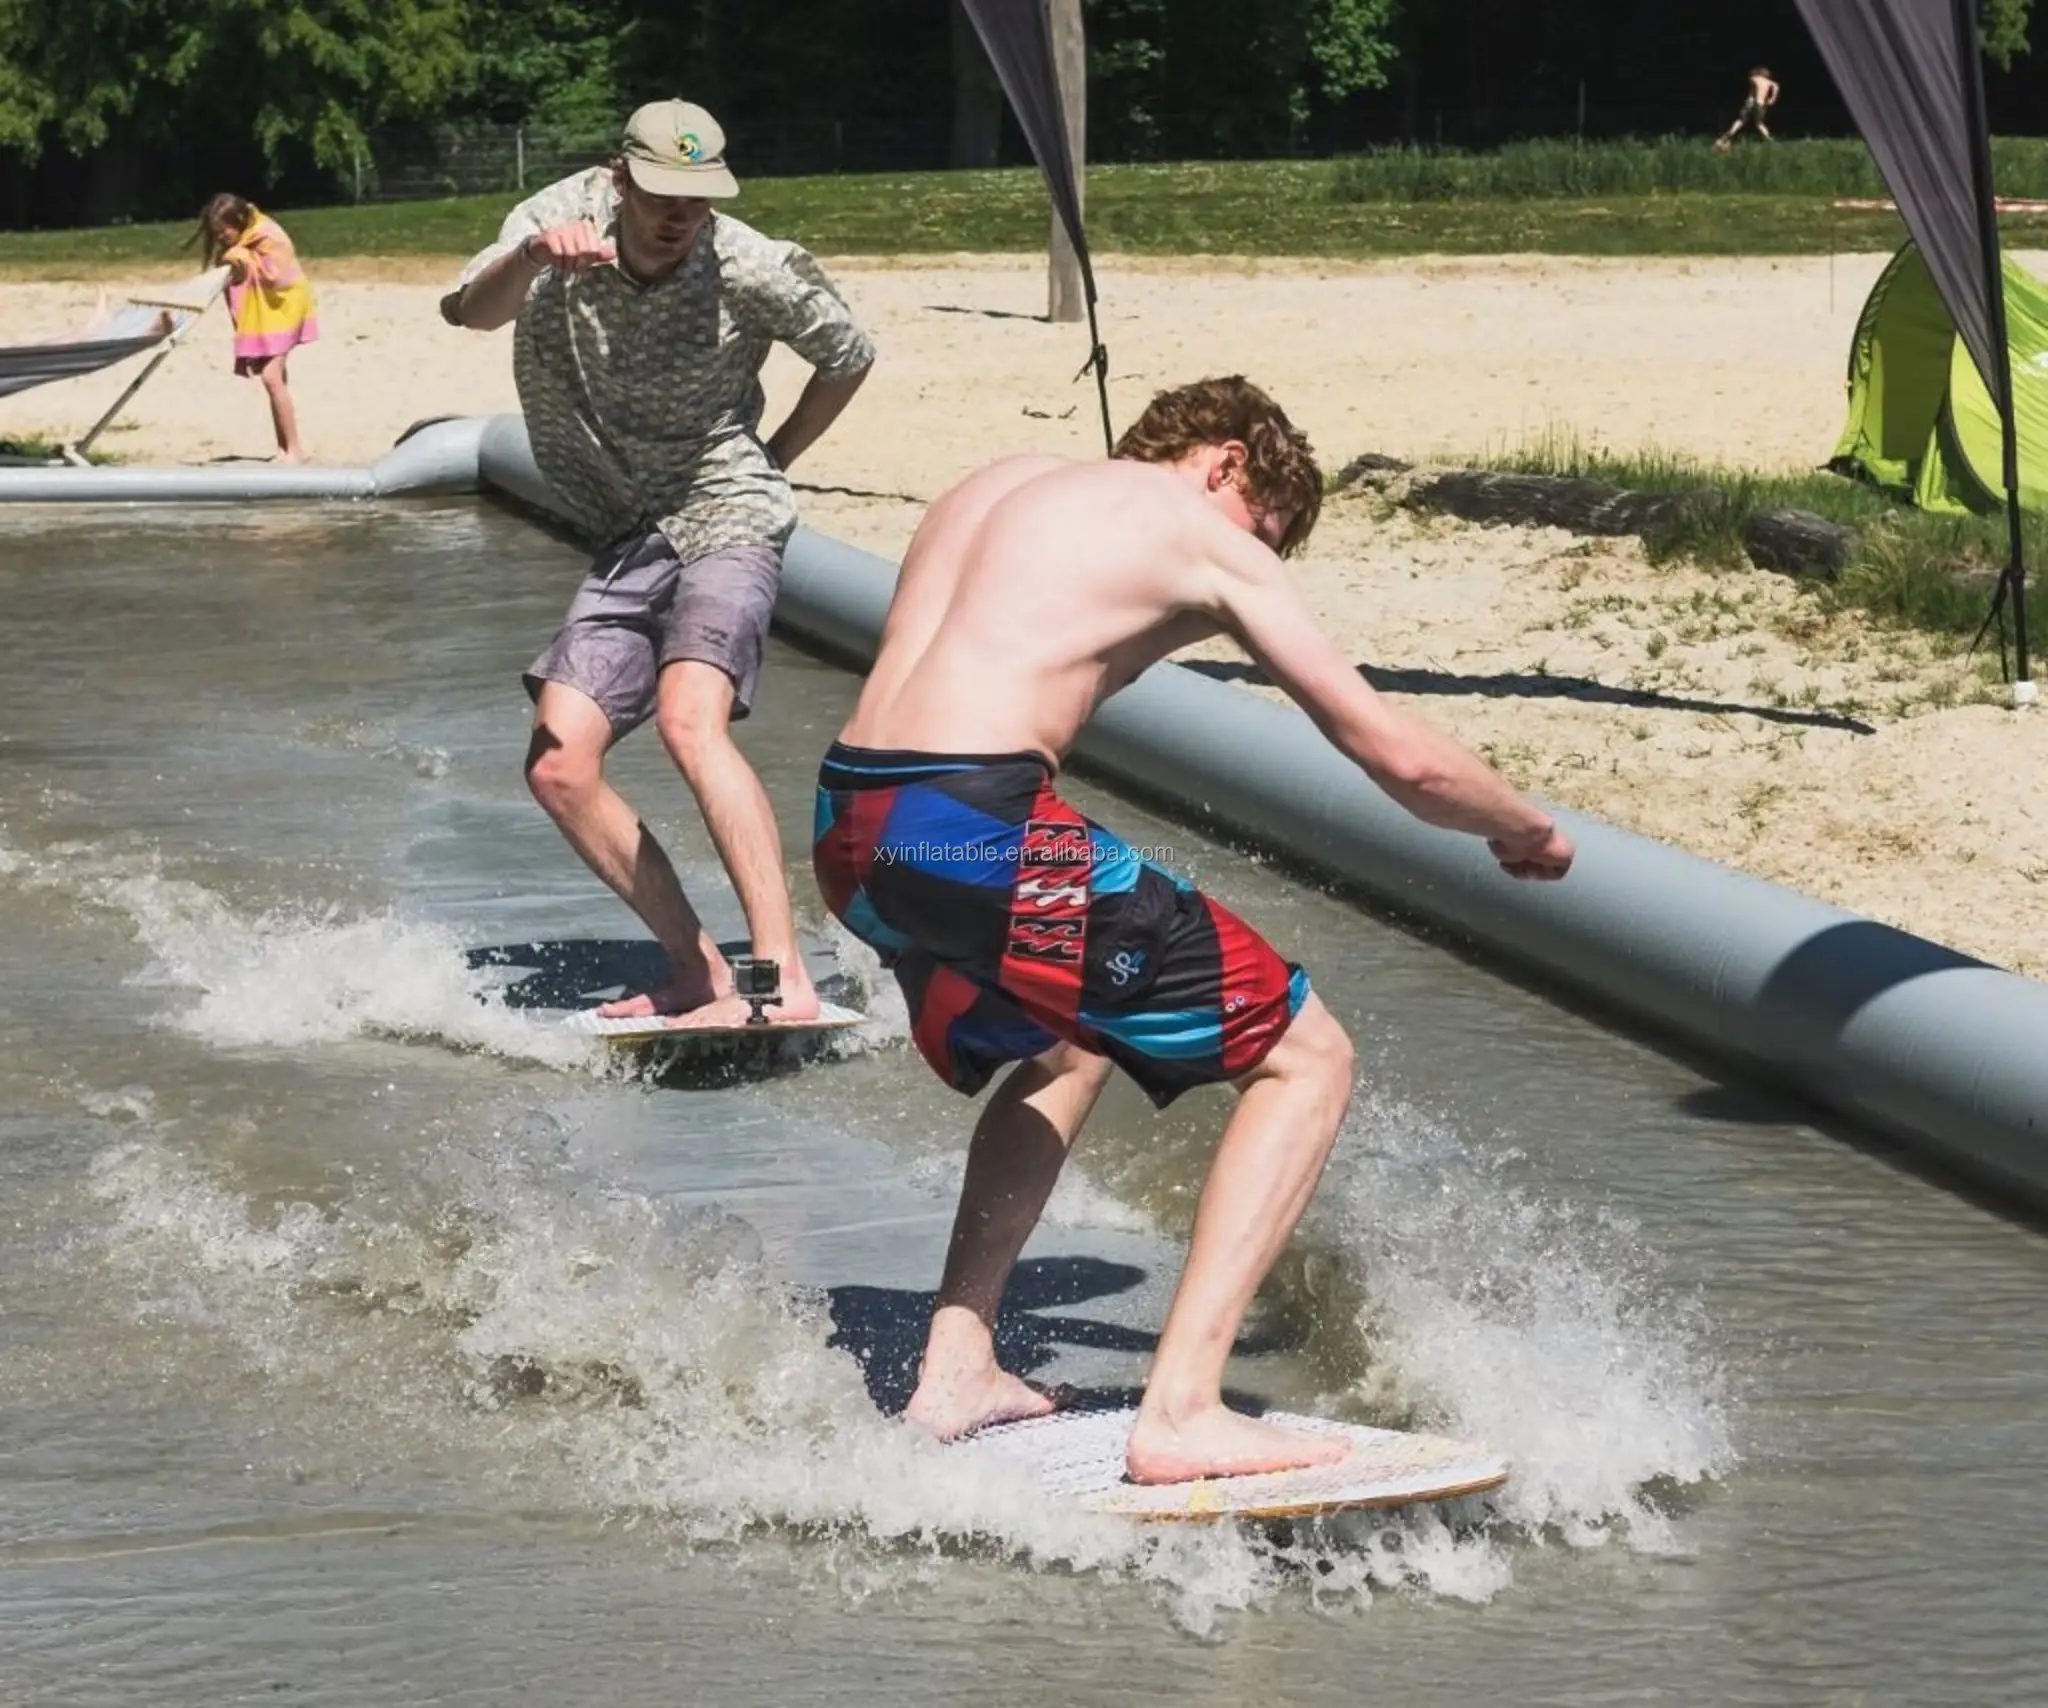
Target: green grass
x,y
1247,208
1908,567
1670,165
42,448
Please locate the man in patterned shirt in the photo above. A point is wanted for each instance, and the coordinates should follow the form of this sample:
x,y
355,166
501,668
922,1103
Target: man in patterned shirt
x,y
644,320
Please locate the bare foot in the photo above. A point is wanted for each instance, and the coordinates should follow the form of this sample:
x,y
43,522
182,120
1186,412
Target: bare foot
x,y
799,1002
1222,1443
954,1405
678,998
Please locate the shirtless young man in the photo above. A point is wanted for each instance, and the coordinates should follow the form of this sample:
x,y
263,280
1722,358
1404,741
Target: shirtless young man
x,y
1756,108
1021,932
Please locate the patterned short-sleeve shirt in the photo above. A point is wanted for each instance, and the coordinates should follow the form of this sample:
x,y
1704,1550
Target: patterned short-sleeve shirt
x,y
643,402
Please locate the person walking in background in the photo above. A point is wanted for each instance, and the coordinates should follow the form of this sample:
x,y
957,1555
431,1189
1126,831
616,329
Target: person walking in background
x,y
1756,108
269,300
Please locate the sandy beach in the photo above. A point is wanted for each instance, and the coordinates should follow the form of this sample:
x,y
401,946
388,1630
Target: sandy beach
x,y
1715,711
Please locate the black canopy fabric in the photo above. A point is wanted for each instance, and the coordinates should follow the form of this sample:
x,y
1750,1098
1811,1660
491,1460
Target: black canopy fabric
x,y
1018,38
1912,75
1908,72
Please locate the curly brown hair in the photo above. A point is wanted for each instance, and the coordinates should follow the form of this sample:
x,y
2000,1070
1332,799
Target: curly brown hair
x,y
1280,467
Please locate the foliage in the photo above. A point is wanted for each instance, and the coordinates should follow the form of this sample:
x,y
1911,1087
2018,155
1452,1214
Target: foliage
x,y
2004,26
285,74
551,62
159,97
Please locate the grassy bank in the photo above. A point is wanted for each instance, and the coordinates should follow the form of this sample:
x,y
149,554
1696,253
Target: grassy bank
x,y
1672,165
1518,201
1908,567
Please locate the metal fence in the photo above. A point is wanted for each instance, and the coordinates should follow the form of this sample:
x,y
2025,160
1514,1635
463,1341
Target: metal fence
x,y
472,159
476,159
425,164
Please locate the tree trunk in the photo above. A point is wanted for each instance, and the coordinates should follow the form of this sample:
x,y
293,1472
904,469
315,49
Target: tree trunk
x,y
1795,542
977,98
1557,501
1789,542
1064,297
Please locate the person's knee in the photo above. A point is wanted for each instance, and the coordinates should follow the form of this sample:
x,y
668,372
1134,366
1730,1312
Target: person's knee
x,y
696,726
560,774
1317,1053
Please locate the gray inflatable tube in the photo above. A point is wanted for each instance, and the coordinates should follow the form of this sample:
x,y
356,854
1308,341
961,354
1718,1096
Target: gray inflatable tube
x,y
1905,1038
437,456
1901,1035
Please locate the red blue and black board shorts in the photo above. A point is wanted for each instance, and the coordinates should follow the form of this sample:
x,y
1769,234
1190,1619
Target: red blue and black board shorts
x,y
1011,923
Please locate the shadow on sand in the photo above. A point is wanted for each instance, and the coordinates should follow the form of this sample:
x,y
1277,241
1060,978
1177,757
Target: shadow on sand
x,y
1526,685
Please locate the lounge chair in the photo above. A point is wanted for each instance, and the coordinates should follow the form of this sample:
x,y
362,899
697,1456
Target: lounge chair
x,y
148,322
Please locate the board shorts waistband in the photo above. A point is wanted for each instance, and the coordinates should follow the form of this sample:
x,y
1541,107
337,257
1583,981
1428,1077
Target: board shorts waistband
x,y
849,768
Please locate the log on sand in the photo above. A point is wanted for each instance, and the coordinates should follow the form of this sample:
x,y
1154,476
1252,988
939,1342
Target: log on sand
x,y
1788,542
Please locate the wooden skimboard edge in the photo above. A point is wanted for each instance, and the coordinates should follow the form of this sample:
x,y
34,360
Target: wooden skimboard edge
x,y
1305,1509
1078,1459
832,1017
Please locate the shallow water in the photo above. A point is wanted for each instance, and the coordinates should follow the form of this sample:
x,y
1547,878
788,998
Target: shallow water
x,y
362,1340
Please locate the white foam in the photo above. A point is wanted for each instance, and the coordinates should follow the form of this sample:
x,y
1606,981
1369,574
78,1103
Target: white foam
x,y
352,736
125,1103
290,977
1539,1329
625,1354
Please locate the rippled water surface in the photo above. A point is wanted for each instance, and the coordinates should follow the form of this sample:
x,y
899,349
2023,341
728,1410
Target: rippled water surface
x,y
364,1339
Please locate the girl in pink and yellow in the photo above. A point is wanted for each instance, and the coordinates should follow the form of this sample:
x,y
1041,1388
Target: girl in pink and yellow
x,y
270,300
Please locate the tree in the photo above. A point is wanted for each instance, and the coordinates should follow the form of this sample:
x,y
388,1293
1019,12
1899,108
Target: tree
x,y
118,79
2004,24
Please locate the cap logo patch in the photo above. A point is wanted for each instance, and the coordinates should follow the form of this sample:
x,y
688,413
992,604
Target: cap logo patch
x,y
690,147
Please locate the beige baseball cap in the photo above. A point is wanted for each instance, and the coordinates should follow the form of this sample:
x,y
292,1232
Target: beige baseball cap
x,y
676,148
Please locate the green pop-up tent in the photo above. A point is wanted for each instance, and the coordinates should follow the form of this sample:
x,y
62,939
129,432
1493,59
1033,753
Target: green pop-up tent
x,y
1921,421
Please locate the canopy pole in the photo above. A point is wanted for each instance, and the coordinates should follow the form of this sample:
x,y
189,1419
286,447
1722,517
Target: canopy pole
x,y
1098,359
2014,579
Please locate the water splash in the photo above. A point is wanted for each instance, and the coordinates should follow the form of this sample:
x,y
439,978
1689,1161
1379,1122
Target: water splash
x,y
1542,1330
295,976
577,1343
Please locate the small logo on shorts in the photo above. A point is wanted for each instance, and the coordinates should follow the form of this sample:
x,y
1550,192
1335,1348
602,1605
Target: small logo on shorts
x,y
1125,965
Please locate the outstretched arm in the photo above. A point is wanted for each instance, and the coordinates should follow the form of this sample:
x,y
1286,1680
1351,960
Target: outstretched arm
x,y
1420,767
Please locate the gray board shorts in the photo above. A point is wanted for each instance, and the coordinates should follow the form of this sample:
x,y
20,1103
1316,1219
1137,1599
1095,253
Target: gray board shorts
x,y
641,608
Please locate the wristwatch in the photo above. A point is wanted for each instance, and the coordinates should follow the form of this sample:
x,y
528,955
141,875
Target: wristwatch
x,y
526,253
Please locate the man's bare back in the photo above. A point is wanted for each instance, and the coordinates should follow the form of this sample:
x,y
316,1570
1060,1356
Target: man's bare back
x,y
1034,589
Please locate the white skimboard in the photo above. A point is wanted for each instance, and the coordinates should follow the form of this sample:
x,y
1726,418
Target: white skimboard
x,y
1079,1457
655,1028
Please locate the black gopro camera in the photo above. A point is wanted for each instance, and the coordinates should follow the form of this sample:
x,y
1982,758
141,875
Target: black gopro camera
x,y
757,982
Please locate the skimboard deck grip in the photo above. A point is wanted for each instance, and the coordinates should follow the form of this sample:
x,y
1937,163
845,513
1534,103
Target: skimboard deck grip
x,y
1078,1456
